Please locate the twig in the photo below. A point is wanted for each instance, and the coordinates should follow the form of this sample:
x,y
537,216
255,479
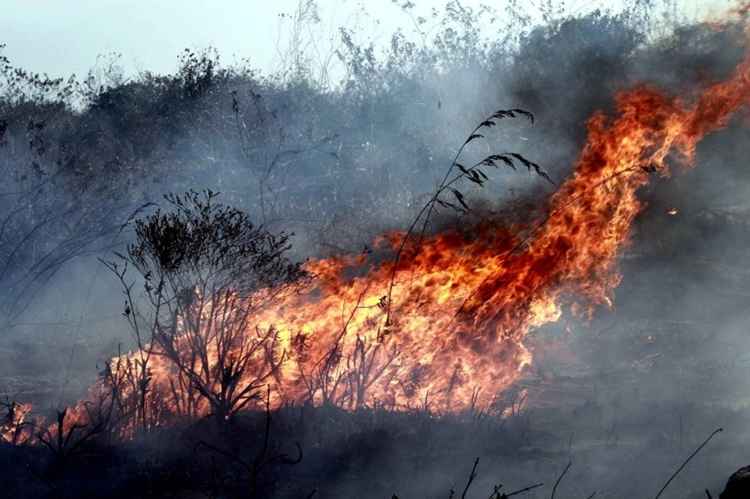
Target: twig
x,y
472,476
690,457
525,489
559,479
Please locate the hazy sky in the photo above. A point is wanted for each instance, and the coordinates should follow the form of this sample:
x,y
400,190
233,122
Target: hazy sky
x,y
65,36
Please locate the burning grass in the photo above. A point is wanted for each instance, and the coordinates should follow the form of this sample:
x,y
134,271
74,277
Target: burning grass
x,y
228,327
450,333
441,327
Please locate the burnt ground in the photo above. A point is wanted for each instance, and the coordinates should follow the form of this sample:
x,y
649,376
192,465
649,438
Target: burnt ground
x,y
375,454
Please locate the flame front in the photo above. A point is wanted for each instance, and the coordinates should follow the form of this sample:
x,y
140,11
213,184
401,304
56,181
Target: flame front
x,y
461,307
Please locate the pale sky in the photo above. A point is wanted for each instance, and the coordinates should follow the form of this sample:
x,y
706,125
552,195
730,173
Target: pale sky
x,y
61,37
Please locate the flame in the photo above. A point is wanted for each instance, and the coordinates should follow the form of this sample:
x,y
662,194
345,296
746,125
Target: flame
x,y
15,427
462,305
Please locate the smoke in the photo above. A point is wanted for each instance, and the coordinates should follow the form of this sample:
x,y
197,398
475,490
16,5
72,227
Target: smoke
x,y
634,389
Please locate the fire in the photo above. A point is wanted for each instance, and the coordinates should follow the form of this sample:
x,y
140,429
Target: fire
x,y
14,428
462,305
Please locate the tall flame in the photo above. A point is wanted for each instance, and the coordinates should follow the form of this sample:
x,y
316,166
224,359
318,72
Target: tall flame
x,y
461,307
464,307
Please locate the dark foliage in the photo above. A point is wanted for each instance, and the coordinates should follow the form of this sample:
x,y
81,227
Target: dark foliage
x,y
202,239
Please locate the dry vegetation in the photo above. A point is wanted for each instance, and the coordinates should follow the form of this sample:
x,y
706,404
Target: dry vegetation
x,y
85,163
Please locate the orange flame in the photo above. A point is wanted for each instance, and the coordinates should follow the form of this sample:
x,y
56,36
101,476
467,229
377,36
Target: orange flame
x,y
461,307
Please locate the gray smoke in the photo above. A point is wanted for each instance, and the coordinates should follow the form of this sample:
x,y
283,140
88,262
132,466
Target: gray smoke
x,y
626,396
